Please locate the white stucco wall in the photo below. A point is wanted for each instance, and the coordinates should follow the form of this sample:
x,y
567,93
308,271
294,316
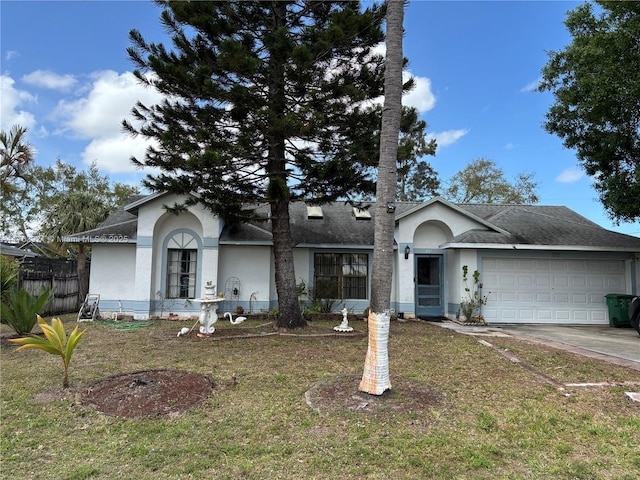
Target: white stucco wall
x,y
455,260
430,235
112,270
252,266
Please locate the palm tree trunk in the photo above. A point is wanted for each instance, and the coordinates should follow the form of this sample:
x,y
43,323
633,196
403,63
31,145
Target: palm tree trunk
x,y
375,378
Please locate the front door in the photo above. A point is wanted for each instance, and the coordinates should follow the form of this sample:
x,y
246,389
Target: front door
x,y
429,286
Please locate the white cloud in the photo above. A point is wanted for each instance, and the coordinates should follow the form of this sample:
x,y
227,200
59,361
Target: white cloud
x,y
98,117
11,106
447,137
112,154
509,146
531,86
47,79
421,97
10,55
570,175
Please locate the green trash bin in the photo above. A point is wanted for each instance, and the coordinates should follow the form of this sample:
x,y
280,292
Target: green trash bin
x,y
619,309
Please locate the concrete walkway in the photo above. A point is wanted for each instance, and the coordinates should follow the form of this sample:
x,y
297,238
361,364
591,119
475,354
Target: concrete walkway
x,y
614,345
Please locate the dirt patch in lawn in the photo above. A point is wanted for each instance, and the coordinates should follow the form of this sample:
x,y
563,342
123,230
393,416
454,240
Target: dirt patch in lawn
x,y
161,393
340,394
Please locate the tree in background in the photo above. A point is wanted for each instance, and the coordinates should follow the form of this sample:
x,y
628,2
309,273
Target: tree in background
x,y
375,377
596,84
60,200
265,102
72,202
417,180
482,181
17,155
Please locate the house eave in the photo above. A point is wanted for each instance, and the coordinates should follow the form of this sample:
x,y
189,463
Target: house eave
x,y
514,246
335,246
103,238
263,243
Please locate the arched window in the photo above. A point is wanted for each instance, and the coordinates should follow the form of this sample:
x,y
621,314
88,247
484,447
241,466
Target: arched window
x,y
182,265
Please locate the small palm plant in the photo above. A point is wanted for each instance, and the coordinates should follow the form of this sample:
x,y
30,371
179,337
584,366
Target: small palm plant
x,y
56,343
19,309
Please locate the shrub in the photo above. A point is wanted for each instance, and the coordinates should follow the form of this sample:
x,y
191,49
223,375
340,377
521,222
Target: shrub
x,y
9,269
472,303
20,309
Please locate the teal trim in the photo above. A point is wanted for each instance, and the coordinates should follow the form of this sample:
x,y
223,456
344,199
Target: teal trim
x,y
427,295
404,307
210,242
145,242
125,306
337,247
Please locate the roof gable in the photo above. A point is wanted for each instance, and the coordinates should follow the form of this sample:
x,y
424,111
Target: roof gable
x,y
415,209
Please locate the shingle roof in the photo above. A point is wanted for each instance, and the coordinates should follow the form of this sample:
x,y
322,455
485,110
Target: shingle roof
x,y
542,225
120,223
338,226
535,225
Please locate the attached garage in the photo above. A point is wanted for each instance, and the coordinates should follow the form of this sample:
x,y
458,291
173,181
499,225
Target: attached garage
x,y
550,290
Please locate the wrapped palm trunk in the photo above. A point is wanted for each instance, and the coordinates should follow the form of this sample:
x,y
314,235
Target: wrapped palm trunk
x,y
375,378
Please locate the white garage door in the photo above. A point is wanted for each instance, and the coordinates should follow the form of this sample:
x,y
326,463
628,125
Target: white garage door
x,y
550,290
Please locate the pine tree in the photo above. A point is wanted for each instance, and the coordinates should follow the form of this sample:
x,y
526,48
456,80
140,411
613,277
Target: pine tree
x,y
265,102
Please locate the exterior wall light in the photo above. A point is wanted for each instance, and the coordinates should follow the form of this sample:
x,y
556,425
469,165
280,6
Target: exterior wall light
x,y
407,251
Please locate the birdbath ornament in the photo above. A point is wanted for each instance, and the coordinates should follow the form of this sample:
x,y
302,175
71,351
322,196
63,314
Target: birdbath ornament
x,y
208,306
344,326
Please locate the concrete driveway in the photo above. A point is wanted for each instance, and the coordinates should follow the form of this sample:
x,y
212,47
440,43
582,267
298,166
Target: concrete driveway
x,y
615,345
619,343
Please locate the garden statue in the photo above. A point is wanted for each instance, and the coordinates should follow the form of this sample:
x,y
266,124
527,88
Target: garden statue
x,y
208,314
208,306
344,326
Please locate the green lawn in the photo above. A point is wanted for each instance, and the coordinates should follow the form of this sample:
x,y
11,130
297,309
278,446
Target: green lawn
x,y
498,420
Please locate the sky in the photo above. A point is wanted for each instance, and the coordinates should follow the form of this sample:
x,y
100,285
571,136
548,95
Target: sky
x,y
66,76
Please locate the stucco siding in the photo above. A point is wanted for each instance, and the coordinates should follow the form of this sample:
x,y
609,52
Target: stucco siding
x,y
251,265
113,270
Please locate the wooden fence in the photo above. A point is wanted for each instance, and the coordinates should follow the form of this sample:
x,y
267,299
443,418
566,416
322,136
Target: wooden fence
x,y
65,287
61,276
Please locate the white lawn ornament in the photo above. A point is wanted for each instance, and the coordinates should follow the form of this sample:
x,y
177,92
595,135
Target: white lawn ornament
x,y
344,326
237,321
208,305
183,331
